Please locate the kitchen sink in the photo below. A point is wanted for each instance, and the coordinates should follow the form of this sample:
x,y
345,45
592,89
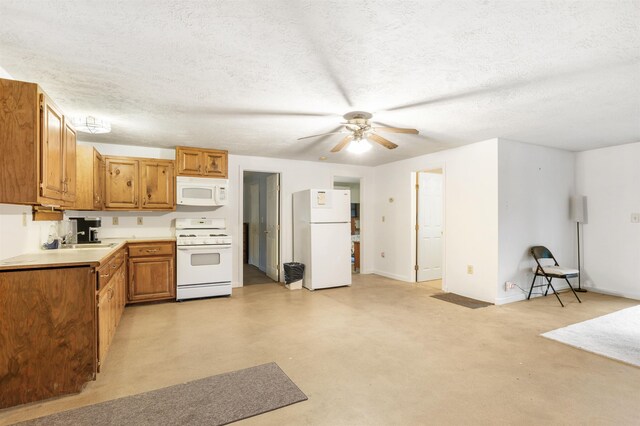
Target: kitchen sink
x,y
87,246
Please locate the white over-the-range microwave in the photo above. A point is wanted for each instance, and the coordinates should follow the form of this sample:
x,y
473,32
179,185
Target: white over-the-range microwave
x,y
194,191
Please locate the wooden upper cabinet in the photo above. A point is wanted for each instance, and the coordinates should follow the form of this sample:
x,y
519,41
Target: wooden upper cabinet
x,y
121,183
90,171
157,184
215,164
190,161
201,162
35,144
98,171
52,151
70,161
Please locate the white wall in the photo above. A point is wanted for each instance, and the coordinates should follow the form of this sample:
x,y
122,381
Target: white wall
x,y
610,179
295,176
471,218
535,186
19,234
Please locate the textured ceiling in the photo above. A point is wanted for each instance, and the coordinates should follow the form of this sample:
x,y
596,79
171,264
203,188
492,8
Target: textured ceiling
x,y
220,73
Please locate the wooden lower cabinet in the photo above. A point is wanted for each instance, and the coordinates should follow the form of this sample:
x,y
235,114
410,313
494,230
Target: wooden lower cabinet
x,y
151,279
112,281
47,333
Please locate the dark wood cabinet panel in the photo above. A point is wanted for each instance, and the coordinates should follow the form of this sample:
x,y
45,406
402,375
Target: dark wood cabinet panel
x,y
48,333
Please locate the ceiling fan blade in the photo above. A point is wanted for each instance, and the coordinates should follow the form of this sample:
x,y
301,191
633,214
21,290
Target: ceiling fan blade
x,y
396,130
342,144
323,134
382,141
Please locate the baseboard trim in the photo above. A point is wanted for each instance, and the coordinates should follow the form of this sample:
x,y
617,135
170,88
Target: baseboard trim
x,y
634,296
518,297
392,276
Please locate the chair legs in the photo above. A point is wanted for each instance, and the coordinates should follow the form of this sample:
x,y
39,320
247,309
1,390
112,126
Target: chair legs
x,y
549,285
574,292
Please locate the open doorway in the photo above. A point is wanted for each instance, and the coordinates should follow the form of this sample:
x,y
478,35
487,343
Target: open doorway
x,y
430,227
353,185
261,228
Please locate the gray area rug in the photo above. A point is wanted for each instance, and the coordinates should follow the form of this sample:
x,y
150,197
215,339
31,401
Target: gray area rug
x,y
215,400
467,302
616,335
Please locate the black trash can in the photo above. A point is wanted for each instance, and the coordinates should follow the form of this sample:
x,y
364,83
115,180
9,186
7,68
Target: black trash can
x,y
293,275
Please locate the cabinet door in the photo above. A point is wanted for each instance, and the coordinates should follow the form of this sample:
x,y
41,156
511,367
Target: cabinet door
x,y
51,151
215,164
157,185
104,323
98,180
151,278
69,192
121,184
190,161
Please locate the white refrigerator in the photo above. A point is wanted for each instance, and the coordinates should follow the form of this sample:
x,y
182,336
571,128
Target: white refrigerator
x,y
322,236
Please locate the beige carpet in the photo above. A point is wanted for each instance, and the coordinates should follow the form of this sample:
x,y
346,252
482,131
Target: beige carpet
x,y
216,400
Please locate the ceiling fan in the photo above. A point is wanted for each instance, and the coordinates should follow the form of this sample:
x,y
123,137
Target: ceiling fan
x,y
360,131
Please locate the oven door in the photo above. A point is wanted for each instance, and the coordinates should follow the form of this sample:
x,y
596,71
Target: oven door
x,y
204,264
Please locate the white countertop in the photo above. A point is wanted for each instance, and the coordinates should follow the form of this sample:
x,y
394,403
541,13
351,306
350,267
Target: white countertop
x,y
73,257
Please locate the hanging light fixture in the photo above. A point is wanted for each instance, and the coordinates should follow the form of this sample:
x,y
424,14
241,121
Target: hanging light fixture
x,y
359,145
91,125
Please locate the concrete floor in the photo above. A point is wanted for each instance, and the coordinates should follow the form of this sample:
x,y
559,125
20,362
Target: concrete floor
x,y
380,352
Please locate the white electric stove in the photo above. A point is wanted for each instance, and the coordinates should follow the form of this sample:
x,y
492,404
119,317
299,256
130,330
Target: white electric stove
x,y
204,258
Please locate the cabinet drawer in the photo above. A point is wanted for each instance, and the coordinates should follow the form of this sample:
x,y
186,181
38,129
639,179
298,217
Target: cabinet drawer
x,y
117,260
105,273
153,249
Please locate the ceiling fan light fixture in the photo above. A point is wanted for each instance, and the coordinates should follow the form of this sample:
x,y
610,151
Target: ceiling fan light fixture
x,y
90,124
359,146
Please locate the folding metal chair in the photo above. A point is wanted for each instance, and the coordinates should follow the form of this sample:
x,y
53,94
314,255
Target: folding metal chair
x,y
549,272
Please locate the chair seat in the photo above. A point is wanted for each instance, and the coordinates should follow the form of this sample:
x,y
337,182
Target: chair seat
x,y
557,271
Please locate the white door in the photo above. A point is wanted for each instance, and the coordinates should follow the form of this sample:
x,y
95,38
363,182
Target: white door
x,y
273,220
254,224
430,206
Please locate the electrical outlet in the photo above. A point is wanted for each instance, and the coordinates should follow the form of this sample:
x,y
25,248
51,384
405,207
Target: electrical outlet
x,y
382,254
470,269
115,221
509,285
140,221
24,218
635,217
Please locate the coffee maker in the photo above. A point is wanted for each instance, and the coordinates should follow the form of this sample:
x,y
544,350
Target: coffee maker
x,y
86,229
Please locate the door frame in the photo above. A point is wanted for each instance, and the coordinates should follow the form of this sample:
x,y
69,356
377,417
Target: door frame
x,y
414,233
363,218
254,257
242,170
